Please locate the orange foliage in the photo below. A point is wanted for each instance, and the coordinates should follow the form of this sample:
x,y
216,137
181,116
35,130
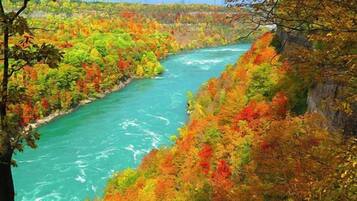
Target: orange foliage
x,y
243,149
66,45
205,155
27,113
266,55
164,188
167,166
212,87
128,15
279,104
30,71
185,143
148,159
113,197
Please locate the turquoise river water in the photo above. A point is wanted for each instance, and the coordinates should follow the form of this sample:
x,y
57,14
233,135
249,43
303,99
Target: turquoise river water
x,y
78,152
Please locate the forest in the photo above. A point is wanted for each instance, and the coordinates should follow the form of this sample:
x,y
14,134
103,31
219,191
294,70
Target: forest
x,y
100,51
278,124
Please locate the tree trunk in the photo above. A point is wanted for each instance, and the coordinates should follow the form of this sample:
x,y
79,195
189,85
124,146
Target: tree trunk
x,y
7,192
6,183
5,80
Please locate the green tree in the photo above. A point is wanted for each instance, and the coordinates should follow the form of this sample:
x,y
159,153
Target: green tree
x,y
15,57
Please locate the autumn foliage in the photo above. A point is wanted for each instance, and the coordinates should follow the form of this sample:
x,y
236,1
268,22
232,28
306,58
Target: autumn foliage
x,y
107,44
99,54
242,142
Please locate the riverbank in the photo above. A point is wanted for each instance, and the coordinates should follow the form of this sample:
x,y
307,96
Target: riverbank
x,y
58,113
185,47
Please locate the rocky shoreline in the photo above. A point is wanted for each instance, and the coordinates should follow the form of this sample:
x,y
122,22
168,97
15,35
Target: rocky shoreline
x,y
58,113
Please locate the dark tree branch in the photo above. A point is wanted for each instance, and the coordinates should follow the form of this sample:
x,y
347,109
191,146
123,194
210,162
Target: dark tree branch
x,y
250,32
2,11
13,70
24,6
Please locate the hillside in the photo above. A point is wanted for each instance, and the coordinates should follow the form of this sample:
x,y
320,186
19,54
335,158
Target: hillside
x,y
102,53
248,138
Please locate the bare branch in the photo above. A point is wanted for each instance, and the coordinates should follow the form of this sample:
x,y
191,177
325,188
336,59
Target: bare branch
x,y
251,32
24,5
2,11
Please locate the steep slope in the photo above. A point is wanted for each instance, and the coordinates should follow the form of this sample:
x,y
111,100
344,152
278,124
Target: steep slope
x,y
248,138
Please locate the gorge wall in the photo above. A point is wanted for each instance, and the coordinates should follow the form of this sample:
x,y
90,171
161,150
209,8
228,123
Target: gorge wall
x,y
323,97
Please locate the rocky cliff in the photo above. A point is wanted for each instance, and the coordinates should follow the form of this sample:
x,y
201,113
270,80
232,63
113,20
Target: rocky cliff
x,y
324,97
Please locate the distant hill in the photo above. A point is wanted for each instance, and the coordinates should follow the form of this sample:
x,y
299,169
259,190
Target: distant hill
x,y
211,2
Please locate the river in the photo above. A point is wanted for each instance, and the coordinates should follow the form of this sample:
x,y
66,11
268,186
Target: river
x,y
78,152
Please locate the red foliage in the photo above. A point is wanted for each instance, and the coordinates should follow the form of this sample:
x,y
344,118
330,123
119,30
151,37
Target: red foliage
x,y
205,155
81,86
265,146
35,113
258,59
249,113
97,79
90,73
279,104
314,142
93,75
253,113
206,152
122,64
127,15
221,181
205,167
45,104
27,113
223,170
